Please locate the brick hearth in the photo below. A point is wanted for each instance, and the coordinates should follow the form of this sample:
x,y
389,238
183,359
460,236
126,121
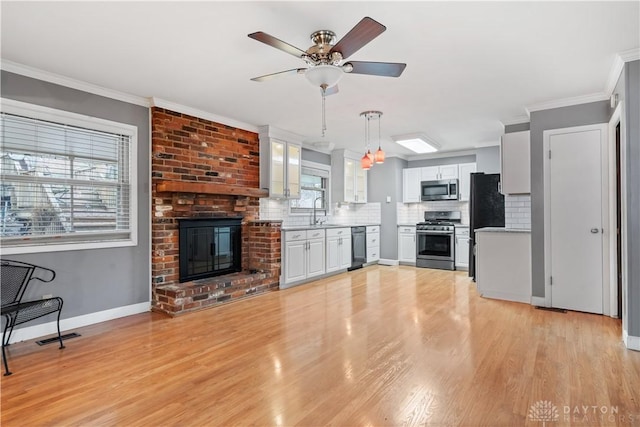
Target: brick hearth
x,y
202,169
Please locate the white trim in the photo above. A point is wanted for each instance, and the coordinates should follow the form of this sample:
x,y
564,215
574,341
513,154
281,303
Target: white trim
x,y
37,331
517,120
150,201
613,267
567,102
35,73
617,67
441,154
539,301
631,342
384,261
604,134
179,108
270,132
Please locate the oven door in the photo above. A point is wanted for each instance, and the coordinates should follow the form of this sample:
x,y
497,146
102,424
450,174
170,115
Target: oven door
x,y
435,245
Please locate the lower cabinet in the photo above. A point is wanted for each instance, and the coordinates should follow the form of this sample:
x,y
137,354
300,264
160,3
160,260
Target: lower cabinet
x,y
373,243
407,244
462,248
304,255
338,249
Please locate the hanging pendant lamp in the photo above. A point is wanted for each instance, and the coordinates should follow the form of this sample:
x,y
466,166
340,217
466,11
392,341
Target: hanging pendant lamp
x,y
370,159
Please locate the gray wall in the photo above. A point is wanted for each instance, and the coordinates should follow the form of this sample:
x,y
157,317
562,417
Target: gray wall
x,y
441,161
557,118
386,180
628,90
316,156
98,279
488,159
520,127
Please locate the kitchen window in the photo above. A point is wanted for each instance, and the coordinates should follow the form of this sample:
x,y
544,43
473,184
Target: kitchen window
x,y
314,185
67,180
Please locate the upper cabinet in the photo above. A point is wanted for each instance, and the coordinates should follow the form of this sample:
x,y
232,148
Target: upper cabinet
x,y
515,156
349,179
434,173
464,173
280,169
411,185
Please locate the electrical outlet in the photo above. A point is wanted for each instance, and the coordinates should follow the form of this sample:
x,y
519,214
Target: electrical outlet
x,y
47,296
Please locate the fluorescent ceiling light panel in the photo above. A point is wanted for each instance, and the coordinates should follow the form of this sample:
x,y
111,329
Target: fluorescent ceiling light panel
x,y
417,143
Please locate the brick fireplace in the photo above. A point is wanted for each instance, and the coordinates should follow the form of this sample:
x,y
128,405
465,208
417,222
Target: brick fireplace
x,y
203,169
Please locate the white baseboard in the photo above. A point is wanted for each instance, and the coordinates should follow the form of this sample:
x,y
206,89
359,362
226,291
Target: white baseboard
x,y
631,342
383,261
37,331
538,301
507,296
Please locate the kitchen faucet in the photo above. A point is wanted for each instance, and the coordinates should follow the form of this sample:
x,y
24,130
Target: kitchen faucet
x,y
315,220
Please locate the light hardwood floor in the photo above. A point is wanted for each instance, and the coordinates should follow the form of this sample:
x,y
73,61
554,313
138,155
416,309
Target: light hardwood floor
x,y
381,346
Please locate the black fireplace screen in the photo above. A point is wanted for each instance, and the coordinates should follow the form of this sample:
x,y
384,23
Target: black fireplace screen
x,y
209,247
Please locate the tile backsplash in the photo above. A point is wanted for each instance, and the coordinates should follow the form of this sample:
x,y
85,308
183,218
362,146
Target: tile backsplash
x,y
517,212
413,213
348,214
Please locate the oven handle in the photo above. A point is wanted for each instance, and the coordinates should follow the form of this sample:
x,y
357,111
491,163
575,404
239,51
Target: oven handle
x,y
434,232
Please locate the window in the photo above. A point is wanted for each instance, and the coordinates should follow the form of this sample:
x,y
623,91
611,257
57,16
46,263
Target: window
x,y
314,184
67,180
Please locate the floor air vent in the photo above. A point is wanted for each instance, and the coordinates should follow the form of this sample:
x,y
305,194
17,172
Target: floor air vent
x,y
55,339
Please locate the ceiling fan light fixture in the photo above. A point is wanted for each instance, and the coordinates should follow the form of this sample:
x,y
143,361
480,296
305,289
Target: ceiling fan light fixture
x,y
417,142
321,75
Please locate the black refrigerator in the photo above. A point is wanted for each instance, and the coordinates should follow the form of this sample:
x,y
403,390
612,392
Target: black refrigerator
x,y
486,209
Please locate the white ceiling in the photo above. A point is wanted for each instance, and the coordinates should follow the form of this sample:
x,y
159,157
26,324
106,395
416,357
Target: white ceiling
x,y
470,65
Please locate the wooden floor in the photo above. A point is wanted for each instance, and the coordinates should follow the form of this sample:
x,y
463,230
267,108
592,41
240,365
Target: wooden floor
x,y
381,346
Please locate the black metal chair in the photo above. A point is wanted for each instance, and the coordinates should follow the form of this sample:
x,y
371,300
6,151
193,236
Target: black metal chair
x,y
15,276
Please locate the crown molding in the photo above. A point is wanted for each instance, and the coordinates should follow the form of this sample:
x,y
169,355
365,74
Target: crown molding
x,y
441,154
173,106
516,120
567,102
618,64
36,73
268,131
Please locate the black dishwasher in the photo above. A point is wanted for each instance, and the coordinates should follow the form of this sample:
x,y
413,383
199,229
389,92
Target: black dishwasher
x,y
358,247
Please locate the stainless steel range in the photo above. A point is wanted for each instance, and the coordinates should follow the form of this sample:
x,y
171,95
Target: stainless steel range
x,y
435,247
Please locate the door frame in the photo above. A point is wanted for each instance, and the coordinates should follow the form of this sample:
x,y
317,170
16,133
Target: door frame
x,y
605,210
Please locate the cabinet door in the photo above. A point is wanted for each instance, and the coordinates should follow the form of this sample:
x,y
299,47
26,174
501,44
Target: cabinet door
x,y
407,247
349,180
345,252
295,261
429,173
515,159
361,184
334,254
411,185
449,172
293,171
464,171
462,252
277,186
315,257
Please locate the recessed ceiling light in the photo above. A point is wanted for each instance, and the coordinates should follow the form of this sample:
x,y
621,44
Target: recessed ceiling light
x,y
417,142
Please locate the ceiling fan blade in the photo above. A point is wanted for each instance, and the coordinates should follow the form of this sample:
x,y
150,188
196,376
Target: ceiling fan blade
x,y
277,43
386,69
281,73
330,90
364,31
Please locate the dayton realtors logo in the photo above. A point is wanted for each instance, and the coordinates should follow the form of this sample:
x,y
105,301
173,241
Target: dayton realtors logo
x,y
545,411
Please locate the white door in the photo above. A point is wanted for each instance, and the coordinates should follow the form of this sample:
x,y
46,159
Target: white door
x,y
411,185
349,180
575,219
333,254
449,172
295,254
315,257
345,252
430,173
464,173
361,184
407,247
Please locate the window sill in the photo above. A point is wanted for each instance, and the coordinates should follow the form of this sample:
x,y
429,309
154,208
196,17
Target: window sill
x,y
64,247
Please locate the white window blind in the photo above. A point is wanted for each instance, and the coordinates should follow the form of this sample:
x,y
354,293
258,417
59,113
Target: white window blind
x,y
63,183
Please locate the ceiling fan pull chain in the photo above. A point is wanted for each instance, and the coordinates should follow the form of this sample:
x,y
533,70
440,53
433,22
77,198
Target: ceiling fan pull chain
x,y
324,117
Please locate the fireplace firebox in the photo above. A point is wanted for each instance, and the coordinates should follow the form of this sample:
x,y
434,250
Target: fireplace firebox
x,y
209,247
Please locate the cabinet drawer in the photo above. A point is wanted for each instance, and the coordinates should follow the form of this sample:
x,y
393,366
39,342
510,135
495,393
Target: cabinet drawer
x,y
373,240
462,231
315,234
338,232
291,236
373,229
373,255
407,230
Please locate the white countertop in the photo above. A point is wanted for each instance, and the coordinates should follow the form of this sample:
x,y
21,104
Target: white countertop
x,y
502,230
324,226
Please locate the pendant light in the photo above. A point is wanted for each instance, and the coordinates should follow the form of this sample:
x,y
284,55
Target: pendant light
x,y
369,159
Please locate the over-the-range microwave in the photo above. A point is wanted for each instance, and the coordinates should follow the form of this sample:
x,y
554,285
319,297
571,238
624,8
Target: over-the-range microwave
x,y
445,189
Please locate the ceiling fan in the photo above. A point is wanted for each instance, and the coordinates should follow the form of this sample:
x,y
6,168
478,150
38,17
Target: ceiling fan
x,y
325,59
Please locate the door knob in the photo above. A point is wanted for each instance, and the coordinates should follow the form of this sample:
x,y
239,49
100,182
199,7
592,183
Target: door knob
x,y
595,230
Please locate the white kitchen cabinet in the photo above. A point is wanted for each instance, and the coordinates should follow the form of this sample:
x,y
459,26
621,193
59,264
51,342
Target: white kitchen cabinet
x,y
349,180
503,265
373,243
338,249
464,175
407,244
304,255
462,248
280,165
433,173
515,158
411,178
